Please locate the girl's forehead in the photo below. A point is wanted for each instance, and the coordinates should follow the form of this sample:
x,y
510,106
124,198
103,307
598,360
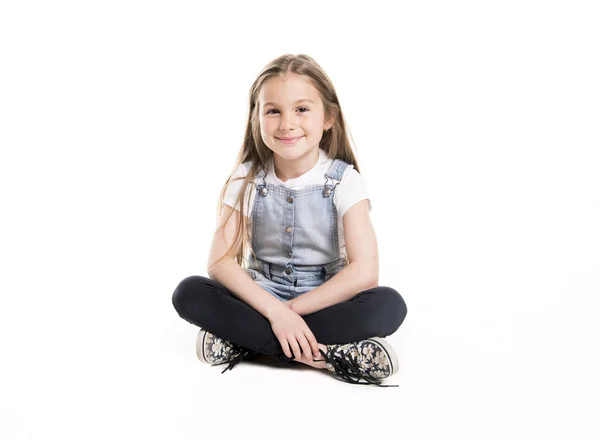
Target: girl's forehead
x,y
291,88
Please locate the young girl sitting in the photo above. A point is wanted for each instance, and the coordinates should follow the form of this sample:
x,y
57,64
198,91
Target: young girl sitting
x,y
293,267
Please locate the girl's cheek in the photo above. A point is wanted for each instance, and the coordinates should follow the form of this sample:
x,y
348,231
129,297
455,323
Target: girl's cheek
x,y
265,128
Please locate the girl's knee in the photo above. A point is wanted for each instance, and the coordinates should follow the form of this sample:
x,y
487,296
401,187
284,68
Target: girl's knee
x,y
394,307
187,289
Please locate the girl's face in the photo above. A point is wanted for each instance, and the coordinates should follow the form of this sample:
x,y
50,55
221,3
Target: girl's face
x,y
292,116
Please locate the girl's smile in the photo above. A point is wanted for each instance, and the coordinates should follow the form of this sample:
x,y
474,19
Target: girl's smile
x,y
290,140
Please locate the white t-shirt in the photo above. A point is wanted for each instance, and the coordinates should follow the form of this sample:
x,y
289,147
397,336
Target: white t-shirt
x,y
351,190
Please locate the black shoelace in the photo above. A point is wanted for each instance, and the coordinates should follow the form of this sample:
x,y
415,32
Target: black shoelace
x,y
348,369
236,360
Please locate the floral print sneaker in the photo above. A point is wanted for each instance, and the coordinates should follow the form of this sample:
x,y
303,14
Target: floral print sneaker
x,y
214,350
371,360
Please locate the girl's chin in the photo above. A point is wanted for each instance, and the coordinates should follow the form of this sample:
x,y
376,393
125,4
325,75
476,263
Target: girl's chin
x,y
290,153
291,149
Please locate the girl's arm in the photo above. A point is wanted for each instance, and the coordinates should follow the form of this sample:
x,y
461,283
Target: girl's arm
x,y
361,273
232,276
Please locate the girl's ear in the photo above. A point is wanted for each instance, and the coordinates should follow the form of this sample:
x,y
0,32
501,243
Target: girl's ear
x,y
329,123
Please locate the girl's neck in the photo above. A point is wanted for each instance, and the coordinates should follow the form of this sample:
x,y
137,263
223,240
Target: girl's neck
x,y
292,169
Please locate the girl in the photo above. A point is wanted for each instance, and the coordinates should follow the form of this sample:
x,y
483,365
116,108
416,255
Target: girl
x,y
297,203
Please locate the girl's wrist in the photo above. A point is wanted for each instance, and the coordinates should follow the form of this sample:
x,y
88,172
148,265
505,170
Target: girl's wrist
x,y
273,310
289,304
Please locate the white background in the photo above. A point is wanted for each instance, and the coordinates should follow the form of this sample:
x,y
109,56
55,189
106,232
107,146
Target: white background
x,y
476,127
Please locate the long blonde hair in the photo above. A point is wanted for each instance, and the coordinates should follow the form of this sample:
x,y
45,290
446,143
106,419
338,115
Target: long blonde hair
x,y
335,141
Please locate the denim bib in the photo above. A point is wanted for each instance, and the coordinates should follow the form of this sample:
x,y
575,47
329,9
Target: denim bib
x,y
295,236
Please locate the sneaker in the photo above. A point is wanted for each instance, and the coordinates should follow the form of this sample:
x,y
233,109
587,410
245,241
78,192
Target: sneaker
x,y
371,360
214,350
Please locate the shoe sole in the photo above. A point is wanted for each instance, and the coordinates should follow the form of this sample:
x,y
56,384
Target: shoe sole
x,y
389,351
200,346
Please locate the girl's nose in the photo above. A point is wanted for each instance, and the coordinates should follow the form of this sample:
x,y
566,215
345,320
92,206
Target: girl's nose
x,y
286,122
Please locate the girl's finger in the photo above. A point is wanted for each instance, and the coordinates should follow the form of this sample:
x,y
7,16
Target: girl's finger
x,y
313,343
284,346
295,347
306,351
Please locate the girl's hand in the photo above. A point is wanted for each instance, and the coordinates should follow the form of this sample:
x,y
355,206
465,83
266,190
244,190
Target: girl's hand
x,y
292,332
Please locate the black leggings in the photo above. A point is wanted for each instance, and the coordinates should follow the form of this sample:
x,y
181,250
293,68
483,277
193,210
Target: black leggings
x,y
208,304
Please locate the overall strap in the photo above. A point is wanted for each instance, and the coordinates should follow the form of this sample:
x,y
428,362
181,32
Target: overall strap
x,y
261,174
262,187
336,170
335,173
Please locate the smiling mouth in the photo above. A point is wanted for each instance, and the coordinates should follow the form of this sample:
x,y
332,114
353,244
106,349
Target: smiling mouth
x,y
290,140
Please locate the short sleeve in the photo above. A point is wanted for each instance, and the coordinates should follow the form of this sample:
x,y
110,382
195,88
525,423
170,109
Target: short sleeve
x,y
351,190
235,186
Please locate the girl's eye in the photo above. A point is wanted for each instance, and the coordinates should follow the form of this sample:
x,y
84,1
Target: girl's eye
x,y
274,109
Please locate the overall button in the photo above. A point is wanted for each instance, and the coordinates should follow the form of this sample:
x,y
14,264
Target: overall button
x,y
289,254
290,199
288,271
288,229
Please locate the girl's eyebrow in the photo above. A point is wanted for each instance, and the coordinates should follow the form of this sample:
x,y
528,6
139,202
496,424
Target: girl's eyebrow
x,y
296,102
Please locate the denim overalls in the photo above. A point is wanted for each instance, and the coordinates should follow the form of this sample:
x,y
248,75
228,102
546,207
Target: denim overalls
x,y
295,236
